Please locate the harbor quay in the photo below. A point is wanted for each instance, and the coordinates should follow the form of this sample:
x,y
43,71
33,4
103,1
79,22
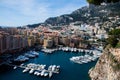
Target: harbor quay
x,y
70,49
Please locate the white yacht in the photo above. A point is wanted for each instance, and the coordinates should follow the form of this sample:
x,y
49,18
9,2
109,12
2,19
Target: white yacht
x,y
35,53
31,71
58,66
66,49
46,74
42,73
14,67
50,74
21,58
72,49
29,55
36,73
25,70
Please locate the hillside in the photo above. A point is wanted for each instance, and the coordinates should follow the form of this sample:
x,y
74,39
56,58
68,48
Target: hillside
x,y
87,14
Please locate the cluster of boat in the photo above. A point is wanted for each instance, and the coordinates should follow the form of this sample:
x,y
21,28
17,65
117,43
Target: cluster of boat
x,y
67,49
86,58
49,50
54,68
39,69
21,58
75,50
26,56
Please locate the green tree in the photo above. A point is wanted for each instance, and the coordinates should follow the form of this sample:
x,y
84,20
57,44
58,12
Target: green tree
x,y
98,2
112,40
115,32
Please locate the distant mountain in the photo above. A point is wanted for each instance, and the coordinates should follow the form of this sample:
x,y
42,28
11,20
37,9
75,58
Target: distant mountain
x,y
87,14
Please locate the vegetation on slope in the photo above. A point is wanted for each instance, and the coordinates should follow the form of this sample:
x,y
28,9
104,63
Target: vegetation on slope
x,y
114,37
98,2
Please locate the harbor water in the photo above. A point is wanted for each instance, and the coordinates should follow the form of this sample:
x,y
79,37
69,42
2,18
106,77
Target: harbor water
x,y
68,69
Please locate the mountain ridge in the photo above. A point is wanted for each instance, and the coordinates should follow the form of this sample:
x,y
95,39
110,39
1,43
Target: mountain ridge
x,y
85,13
88,14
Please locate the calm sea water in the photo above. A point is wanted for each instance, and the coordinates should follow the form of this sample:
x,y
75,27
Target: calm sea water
x,y
68,70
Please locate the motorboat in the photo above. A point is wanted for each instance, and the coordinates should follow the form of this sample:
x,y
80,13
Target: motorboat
x,y
25,70
46,74
21,58
42,73
35,53
31,71
14,67
29,55
50,74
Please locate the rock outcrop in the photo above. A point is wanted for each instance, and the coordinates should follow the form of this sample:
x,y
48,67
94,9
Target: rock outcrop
x,y
107,67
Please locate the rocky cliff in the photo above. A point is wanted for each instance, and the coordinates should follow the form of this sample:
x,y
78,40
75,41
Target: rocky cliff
x,y
108,66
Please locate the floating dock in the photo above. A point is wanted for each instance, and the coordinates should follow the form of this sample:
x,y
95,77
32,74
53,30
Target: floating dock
x,y
39,69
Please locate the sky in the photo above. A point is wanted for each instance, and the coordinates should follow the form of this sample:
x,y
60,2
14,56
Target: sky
x,y
23,12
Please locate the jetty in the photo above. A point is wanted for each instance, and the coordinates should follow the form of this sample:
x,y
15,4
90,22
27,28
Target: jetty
x,y
39,69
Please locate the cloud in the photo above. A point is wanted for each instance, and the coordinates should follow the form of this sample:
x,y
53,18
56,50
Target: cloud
x,y
30,9
34,11
26,7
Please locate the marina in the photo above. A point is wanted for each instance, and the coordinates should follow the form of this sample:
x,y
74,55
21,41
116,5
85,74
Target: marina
x,y
60,40
46,65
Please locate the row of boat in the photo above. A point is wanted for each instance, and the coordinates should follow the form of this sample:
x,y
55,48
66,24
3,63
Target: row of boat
x,y
26,56
48,50
86,58
39,69
75,50
66,49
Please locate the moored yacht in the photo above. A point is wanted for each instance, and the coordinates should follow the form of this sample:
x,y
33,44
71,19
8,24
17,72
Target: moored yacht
x,y
35,53
29,55
25,70
21,58
42,73
31,71
46,74
50,74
